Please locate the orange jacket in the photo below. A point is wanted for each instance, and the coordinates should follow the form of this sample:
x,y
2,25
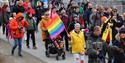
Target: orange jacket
x,y
43,27
14,26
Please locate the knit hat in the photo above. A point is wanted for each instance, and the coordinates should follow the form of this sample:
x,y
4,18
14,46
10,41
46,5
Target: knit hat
x,y
122,30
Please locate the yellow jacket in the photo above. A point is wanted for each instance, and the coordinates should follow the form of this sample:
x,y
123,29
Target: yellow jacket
x,y
78,42
107,31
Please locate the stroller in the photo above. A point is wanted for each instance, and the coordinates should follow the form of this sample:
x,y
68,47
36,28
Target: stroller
x,y
56,46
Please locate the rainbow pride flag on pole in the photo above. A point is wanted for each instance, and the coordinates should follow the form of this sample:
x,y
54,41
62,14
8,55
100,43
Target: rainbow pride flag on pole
x,y
55,26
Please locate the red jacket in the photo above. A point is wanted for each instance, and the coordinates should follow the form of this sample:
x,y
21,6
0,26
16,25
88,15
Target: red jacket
x,y
31,11
14,26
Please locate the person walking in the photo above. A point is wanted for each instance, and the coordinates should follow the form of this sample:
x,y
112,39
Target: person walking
x,y
119,47
17,29
4,17
18,8
45,35
31,30
96,47
78,44
39,11
64,18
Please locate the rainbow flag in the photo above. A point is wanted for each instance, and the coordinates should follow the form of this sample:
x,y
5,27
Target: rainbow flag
x,y
55,26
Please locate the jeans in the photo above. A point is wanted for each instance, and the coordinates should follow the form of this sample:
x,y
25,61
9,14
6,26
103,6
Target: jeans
x,y
17,42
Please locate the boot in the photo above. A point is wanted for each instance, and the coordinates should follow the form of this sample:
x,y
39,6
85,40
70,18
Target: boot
x,y
34,47
20,55
28,47
12,52
13,49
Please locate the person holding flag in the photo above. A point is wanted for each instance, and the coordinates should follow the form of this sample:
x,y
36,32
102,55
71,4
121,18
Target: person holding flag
x,y
107,37
45,35
51,26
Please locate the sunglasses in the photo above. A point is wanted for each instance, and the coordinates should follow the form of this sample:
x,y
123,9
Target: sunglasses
x,y
46,14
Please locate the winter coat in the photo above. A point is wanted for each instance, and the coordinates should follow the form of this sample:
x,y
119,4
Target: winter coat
x,y
44,28
31,10
15,25
65,21
78,42
32,23
87,14
91,39
25,5
98,21
0,15
81,10
18,9
4,15
107,35
92,48
119,56
39,12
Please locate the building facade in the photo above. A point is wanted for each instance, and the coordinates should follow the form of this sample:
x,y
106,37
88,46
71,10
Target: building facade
x,y
119,4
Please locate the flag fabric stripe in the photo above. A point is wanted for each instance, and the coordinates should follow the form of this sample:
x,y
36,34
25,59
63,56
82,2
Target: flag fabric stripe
x,y
50,23
57,29
53,36
54,19
56,26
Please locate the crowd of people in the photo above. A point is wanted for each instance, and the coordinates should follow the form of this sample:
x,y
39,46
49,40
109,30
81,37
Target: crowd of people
x,y
91,31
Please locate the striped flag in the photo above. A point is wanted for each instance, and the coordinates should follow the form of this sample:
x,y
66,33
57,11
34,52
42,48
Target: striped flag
x,y
55,26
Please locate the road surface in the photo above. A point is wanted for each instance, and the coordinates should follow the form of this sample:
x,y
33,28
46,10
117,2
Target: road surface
x,y
5,55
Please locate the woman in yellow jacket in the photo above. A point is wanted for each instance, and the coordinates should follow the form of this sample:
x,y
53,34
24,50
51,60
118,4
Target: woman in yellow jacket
x,y
78,44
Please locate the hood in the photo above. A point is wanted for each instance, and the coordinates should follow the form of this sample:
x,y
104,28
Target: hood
x,y
19,15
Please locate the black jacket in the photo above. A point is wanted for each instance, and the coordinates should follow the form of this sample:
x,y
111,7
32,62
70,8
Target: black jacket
x,y
119,55
39,12
18,9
